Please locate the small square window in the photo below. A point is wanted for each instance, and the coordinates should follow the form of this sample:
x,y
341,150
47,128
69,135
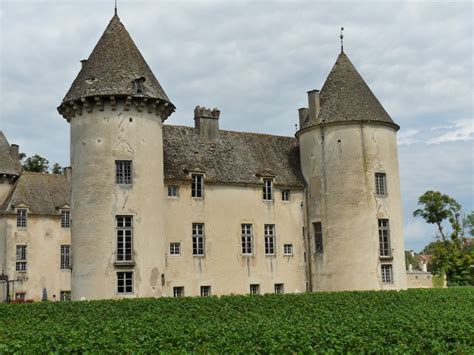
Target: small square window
x,y
178,291
65,295
125,282
175,248
255,289
20,296
21,217
387,277
123,172
287,249
173,191
285,195
205,291
65,219
279,288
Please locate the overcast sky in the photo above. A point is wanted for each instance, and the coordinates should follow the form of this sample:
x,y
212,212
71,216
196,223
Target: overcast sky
x,y
255,60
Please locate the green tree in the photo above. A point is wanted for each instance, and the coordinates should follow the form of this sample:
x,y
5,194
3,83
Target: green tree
x,y
57,169
36,163
451,253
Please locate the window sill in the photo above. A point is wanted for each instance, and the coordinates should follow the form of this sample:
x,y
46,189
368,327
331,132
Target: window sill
x,y
197,255
124,263
389,257
270,255
288,254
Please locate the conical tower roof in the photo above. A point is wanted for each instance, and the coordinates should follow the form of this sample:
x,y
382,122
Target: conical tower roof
x,y
9,165
113,66
346,97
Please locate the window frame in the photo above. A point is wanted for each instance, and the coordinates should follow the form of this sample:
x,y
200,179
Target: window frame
x,y
254,289
22,218
318,237
381,184
279,288
121,240
178,291
385,250
205,291
285,248
270,239
20,296
175,189
65,257
286,195
66,218
21,256
197,185
65,295
127,289
198,238
246,230
386,270
267,189
173,248
122,176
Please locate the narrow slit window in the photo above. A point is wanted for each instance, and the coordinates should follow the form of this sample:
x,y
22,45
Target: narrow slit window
x,y
318,237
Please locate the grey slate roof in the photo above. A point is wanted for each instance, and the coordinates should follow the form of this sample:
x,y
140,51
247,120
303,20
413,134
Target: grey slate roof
x,y
41,193
8,165
112,67
237,158
346,97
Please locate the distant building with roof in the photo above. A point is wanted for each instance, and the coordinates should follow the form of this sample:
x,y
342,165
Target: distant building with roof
x,y
150,209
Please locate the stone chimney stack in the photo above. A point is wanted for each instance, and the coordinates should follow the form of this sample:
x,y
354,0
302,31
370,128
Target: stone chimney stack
x,y
314,106
303,114
206,122
83,63
15,151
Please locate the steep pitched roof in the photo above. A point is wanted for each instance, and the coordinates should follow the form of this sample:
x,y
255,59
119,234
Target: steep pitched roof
x,y
238,157
8,164
41,193
346,97
112,67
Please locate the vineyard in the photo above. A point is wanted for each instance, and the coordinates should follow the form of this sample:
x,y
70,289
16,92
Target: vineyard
x,y
416,321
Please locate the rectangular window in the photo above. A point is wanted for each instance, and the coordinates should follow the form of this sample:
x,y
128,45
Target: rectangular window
x,y
384,238
246,239
279,288
123,172
20,258
198,239
387,274
178,291
65,219
65,257
267,189
21,217
288,249
175,248
124,238
285,195
380,184
20,296
269,239
205,291
197,185
173,191
125,282
254,289
65,295
318,237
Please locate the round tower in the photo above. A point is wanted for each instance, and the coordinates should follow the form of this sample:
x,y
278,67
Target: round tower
x,y
116,108
349,160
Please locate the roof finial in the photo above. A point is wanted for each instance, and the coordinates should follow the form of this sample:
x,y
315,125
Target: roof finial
x,y
115,8
341,36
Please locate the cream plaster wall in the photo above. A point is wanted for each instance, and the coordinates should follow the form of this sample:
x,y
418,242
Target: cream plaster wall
x,y
339,162
43,237
223,209
98,138
419,279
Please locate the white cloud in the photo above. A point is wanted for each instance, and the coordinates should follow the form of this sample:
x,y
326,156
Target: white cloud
x,y
407,137
462,130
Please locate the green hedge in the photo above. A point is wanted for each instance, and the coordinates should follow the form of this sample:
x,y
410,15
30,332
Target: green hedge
x,y
416,321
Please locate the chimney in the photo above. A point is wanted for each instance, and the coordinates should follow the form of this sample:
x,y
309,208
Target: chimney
x,y
206,122
15,151
67,173
303,113
313,104
83,63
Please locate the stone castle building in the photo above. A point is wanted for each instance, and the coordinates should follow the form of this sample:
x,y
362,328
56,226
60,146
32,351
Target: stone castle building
x,y
149,209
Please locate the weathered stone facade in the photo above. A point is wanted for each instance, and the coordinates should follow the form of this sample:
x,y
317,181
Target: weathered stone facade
x,y
160,210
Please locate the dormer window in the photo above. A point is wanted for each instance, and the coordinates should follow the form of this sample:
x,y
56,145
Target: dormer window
x,y
267,189
138,86
65,219
21,217
197,185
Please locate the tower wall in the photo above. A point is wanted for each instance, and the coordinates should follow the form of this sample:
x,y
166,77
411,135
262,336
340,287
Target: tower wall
x,y
98,139
339,162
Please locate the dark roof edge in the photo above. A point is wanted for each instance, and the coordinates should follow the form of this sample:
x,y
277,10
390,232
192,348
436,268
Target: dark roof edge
x,y
248,184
